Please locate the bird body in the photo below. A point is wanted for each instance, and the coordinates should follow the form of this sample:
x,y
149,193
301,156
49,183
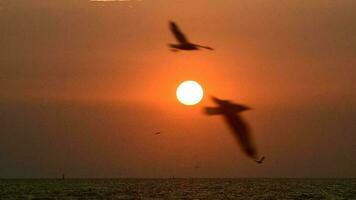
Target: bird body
x,y
239,127
183,42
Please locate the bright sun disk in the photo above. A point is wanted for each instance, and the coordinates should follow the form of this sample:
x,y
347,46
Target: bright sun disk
x,y
189,93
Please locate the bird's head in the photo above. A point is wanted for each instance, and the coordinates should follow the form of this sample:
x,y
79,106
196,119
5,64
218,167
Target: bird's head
x,y
240,107
217,100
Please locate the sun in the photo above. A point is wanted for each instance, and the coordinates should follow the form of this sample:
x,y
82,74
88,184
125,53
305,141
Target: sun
x,y
189,92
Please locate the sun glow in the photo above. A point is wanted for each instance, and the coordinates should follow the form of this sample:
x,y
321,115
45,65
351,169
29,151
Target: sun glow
x,y
189,93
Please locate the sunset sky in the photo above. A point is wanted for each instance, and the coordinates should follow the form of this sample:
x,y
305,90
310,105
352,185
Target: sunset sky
x,y
84,86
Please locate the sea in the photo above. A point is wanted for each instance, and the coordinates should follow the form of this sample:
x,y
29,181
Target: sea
x,y
176,188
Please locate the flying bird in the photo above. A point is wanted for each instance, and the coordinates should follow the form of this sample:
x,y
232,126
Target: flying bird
x,y
183,42
240,129
157,133
260,161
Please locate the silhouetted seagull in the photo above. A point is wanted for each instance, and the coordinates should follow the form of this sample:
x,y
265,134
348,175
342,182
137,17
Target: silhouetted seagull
x,y
231,111
183,43
157,133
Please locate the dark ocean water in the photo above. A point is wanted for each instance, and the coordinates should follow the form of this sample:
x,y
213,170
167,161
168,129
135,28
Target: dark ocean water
x,y
179,189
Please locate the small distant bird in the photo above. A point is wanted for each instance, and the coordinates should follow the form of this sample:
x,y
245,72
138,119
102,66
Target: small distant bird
x,y
183,43
231,111
260,161
157,133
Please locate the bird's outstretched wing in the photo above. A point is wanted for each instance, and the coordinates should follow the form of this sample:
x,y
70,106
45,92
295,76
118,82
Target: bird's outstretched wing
x,y
178,34
242,134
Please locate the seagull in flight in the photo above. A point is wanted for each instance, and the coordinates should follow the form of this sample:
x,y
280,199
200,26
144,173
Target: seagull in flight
x,y
231,113
183,43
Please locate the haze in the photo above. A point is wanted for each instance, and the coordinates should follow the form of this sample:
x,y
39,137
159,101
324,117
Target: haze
x,y
85,85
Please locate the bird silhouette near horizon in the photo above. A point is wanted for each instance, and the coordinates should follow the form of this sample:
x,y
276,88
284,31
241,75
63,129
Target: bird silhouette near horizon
x,y
239,127
183,42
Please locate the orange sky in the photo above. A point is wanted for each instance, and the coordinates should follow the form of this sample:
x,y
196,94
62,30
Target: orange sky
x,y
98,79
